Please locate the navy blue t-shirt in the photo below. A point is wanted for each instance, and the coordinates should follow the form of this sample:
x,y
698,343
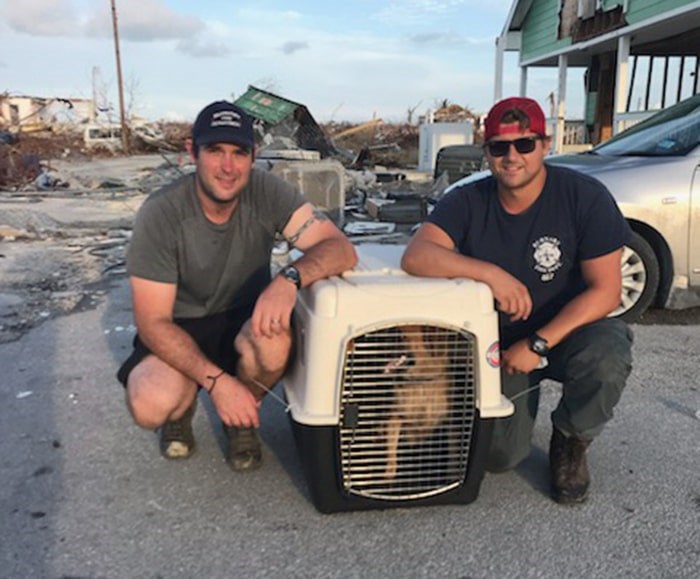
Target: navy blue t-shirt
x,y
574,219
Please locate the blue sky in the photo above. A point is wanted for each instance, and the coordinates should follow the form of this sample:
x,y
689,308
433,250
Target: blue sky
x,y
353,60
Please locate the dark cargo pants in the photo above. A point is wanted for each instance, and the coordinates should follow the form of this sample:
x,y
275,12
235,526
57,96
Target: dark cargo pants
x,y
592,365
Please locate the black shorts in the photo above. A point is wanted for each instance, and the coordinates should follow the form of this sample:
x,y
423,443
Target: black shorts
x,y
213,334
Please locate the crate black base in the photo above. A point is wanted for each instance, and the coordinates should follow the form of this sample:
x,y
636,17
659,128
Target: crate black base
x,y
319,455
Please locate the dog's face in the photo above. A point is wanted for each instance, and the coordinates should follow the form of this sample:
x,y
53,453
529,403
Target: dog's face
x,y
428,357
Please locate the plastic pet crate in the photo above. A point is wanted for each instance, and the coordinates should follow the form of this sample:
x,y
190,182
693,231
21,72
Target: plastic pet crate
x,y
393,386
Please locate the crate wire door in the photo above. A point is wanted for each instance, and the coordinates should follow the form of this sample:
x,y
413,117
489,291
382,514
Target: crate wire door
x,y
421,381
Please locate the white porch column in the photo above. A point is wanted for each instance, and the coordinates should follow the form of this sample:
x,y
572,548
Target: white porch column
x,y
621,82
561,104
498,81
523,80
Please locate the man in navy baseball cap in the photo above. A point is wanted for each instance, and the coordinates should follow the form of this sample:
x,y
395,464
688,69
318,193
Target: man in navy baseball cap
x,y
209,314
223,122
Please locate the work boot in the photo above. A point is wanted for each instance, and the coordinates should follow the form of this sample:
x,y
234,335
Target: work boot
x,y
176,436
244,450
568,468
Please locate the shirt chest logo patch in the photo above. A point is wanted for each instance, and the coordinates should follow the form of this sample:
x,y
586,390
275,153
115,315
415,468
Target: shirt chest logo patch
x,y
547,256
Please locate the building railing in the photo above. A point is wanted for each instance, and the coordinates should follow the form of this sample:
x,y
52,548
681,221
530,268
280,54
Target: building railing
x,y
624,121
575,134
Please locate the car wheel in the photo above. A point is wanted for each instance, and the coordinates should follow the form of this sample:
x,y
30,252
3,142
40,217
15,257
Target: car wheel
x,y
640,279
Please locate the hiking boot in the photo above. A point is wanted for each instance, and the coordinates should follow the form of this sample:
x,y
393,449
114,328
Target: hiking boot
x,y
568,468
176,436
244,450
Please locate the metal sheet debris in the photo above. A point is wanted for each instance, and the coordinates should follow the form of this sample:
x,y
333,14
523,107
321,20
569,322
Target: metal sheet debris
x,y
368,227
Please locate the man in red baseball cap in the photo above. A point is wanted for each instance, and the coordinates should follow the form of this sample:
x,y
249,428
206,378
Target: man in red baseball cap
x,y
531,116
548,242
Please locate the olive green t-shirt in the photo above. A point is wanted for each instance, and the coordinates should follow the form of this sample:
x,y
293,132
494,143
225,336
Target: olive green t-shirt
x,y
215,267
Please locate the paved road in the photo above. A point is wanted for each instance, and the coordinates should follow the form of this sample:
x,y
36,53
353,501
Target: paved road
x,y
85,494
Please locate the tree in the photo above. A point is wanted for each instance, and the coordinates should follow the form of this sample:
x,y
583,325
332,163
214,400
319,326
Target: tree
x,y
410,112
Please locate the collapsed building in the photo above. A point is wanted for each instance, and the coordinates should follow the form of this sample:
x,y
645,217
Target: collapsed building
x,y
366,177
66,209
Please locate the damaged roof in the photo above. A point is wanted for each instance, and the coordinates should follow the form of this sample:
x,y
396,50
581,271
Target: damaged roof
x,y
266,106
288,118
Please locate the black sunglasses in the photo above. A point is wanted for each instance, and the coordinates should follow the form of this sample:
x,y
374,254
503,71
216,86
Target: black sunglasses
x,y
523,145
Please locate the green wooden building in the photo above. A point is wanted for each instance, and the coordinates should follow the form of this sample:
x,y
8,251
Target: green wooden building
x,y
608,38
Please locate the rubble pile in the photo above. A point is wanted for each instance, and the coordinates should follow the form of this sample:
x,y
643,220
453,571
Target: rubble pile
x,y
452,113
21,156
24,156
376,143
60,246
175,134
66,209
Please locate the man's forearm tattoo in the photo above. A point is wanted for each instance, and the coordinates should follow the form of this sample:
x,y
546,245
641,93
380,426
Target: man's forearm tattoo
x,y
317,215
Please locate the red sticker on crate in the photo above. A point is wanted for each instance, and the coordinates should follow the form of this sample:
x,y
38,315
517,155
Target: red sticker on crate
x,y
493,355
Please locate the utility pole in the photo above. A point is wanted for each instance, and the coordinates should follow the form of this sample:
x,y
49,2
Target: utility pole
x,y
93,111
125,128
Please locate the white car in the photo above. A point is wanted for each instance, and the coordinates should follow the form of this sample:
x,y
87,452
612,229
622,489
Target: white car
x,y
653,171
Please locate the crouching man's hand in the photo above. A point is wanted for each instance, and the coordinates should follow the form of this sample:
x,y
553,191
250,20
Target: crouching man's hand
x,y
519,358
235,403
273,309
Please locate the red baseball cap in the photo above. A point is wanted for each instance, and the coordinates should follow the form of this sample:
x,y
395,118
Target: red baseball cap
x,y
527,106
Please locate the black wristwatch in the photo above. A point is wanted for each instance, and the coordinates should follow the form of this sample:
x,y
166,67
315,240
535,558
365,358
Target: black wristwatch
x,y
538,345
291,273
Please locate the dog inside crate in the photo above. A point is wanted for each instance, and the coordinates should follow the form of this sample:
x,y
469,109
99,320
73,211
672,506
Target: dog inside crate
x,y
407,410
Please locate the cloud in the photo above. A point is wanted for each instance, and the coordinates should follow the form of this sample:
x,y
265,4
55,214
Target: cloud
x,y
138,20
413,11
285,17
447,12
41,17
198,48
449,39
143,21
293,46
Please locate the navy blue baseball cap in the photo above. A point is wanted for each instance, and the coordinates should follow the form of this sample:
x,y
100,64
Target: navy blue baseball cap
x,y
223,122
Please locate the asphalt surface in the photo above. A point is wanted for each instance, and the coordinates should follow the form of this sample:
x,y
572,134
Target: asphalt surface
x,y
85,493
